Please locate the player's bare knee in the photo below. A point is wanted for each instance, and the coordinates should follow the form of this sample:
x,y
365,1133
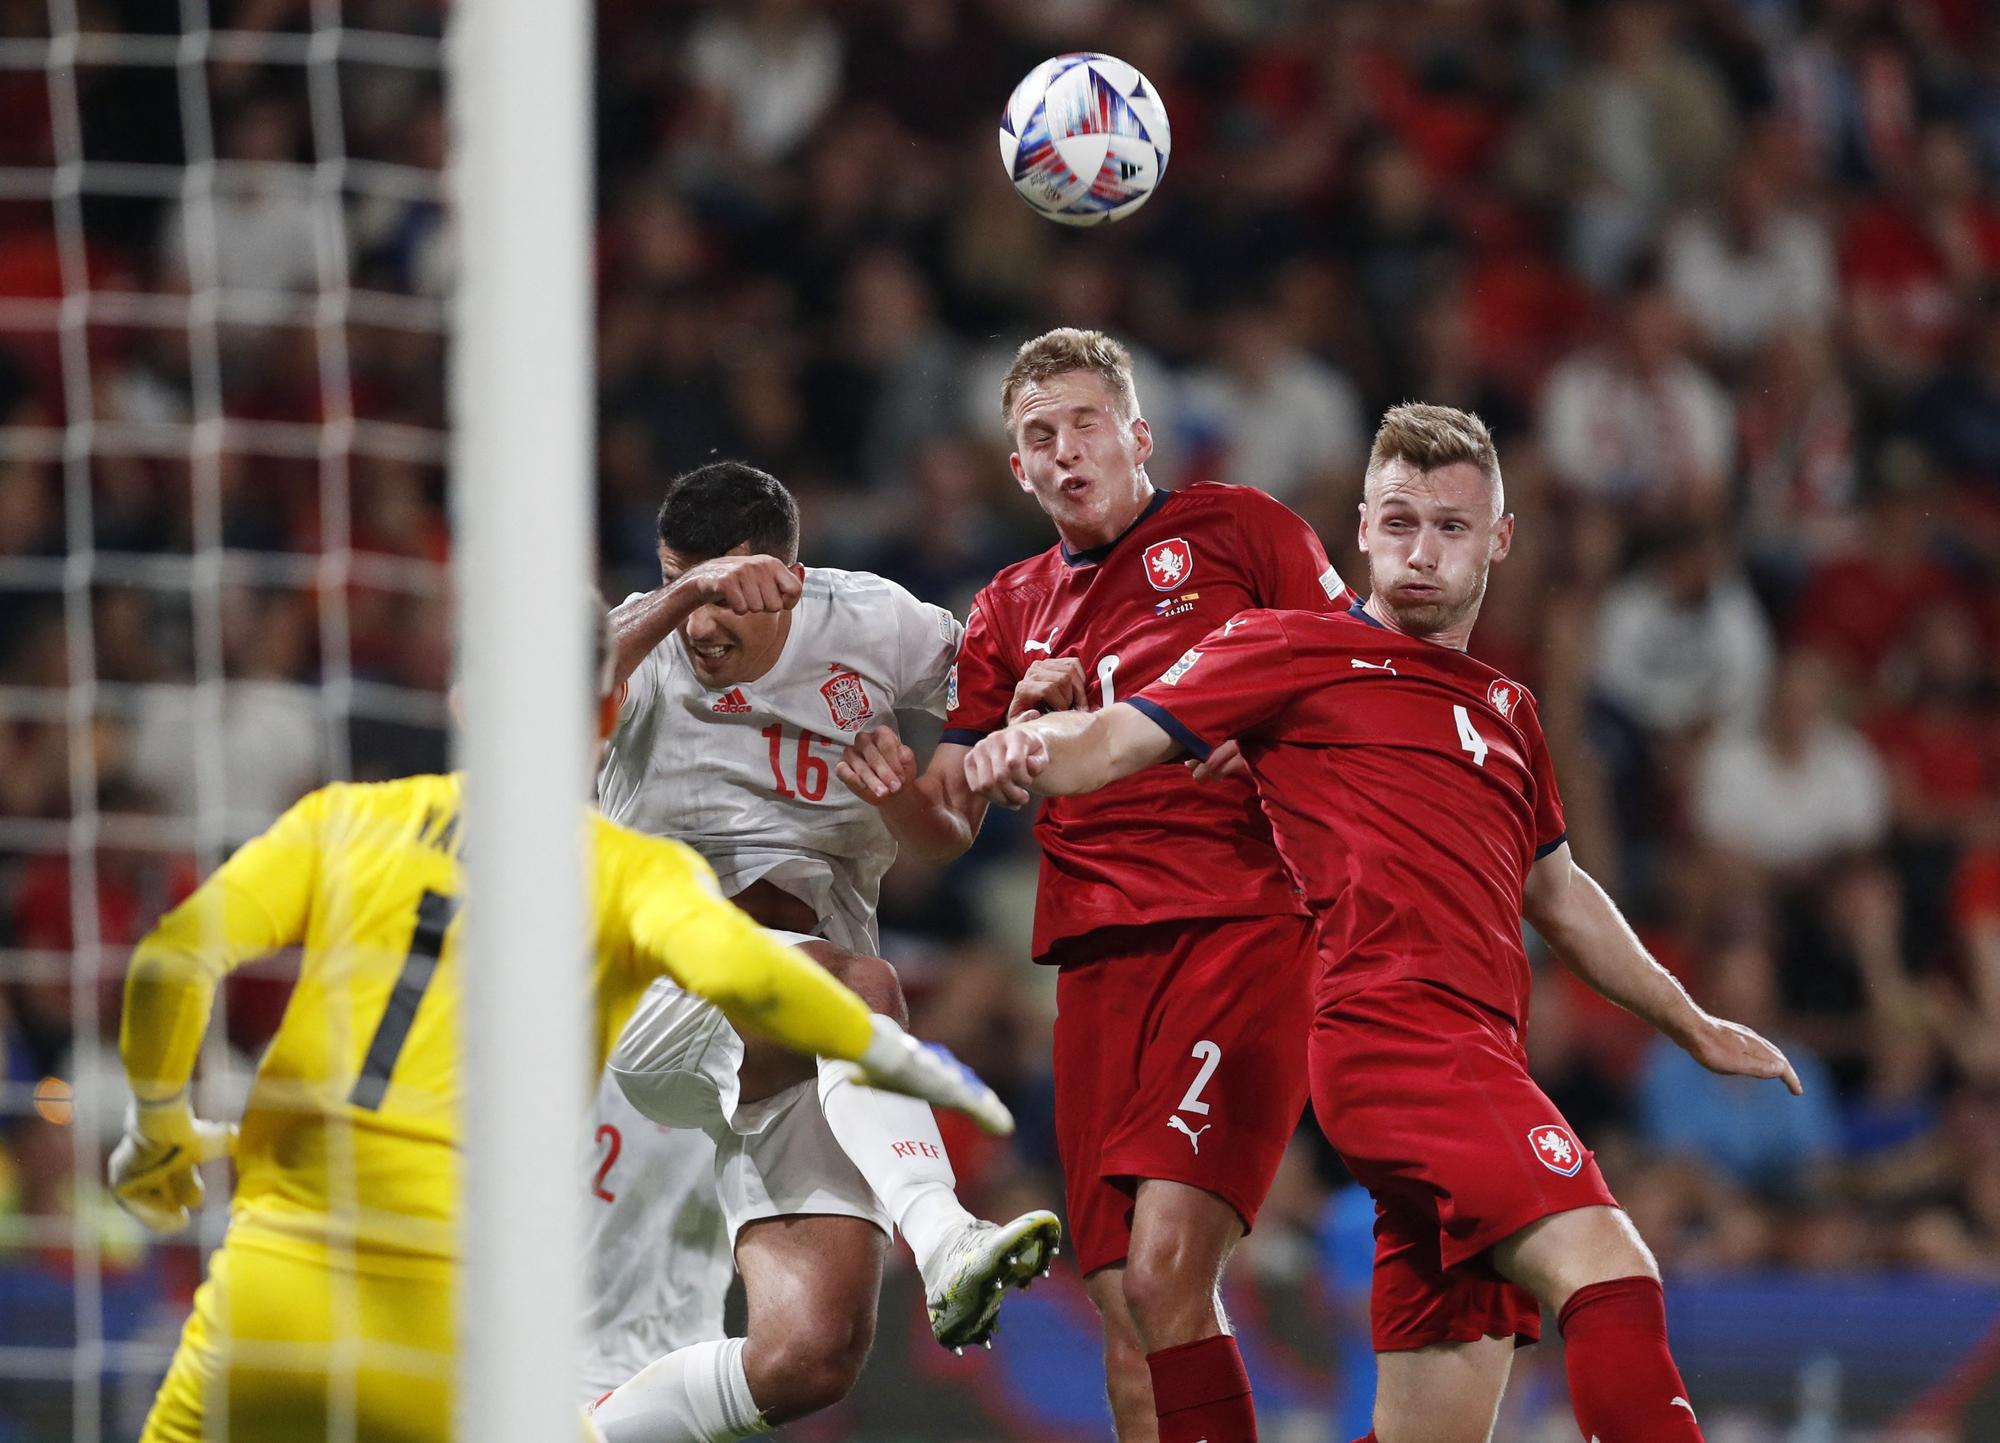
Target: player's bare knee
x,y
872,979
1170,1291
1434,1427
1557,1255
801,1370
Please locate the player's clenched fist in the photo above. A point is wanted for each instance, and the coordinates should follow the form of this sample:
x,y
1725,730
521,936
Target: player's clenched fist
x,y
1052,684
876,765
745,584
1000,766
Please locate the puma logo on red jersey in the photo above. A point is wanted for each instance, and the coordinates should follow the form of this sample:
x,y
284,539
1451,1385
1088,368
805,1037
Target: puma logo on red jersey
x,y
1193,1134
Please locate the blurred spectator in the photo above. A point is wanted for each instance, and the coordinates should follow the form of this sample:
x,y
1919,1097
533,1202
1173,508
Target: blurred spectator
x,y
1936,734
1681,643
960,527
765,73
1803,788
1858,602
1446,369
1958,417
259,231
1275,417
1400,242
889,380
1751,266
1969,1007
1636,423
1754,1131
261,731
672,384
1641,128
1915,259
405,245
1795,435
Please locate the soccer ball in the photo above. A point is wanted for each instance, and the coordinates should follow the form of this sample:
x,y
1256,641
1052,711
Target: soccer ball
x,y
1084,139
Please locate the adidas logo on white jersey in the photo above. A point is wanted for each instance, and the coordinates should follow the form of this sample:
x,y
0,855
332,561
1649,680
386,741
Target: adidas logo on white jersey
x,y
731,703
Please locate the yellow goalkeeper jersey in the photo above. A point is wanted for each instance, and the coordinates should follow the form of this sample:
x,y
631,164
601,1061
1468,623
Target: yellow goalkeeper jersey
x,y
349,1135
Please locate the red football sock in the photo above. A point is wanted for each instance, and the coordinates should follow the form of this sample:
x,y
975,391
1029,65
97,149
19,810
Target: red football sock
x,y
1622,1380
1371,1438
1201,1393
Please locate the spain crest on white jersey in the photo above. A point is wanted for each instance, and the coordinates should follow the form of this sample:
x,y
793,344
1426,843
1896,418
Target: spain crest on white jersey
x,y
744,774
846,699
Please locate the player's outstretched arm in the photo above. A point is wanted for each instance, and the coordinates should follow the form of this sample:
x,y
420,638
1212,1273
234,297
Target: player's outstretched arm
x,y
742,584
763,985
255,903
934,816
1586,931
1066,754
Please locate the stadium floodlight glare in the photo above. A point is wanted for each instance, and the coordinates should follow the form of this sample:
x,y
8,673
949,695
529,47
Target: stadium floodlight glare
x,y
522,490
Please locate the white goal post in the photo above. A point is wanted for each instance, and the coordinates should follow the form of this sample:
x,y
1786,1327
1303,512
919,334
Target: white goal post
x,y
522,481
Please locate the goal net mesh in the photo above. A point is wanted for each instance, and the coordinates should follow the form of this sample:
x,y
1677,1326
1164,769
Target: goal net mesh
x,y
223,287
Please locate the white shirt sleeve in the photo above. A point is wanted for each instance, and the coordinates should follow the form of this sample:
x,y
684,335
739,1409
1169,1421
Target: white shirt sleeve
x,y
642,687
927,639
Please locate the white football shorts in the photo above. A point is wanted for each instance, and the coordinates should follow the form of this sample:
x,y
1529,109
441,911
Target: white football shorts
x,y
676,1062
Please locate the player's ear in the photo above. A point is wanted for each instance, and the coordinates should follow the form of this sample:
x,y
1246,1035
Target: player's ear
x,y
1020,473
799,570
1142,440
1361,527
1503,538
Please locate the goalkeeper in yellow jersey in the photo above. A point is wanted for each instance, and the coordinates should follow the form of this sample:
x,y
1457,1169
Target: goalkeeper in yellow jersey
x,y
329,1309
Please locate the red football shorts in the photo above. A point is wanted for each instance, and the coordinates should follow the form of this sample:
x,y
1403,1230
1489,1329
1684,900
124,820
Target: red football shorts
x,y
1180,1053
1426,1097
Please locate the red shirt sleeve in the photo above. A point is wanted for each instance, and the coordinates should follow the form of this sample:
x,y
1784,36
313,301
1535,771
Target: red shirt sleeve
x,y
981,683
1235,678
1293,573
1550,829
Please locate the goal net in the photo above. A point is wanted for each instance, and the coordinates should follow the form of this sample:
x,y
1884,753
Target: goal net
x,y
226,269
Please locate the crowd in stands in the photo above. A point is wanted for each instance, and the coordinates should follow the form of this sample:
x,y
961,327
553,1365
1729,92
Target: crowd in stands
x,y
1723,276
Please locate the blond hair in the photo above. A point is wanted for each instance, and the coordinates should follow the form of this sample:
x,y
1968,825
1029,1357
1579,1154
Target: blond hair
x,y
1067,349
1429,437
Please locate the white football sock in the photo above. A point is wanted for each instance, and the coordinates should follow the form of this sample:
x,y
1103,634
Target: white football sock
x,y
895,1142
697,1394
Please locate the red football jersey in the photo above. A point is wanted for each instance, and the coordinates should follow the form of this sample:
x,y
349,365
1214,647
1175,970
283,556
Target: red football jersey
x,y
1158,846
1409,788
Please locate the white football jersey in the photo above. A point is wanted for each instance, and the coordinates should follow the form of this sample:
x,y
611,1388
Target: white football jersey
x,y
659,1263
744,774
